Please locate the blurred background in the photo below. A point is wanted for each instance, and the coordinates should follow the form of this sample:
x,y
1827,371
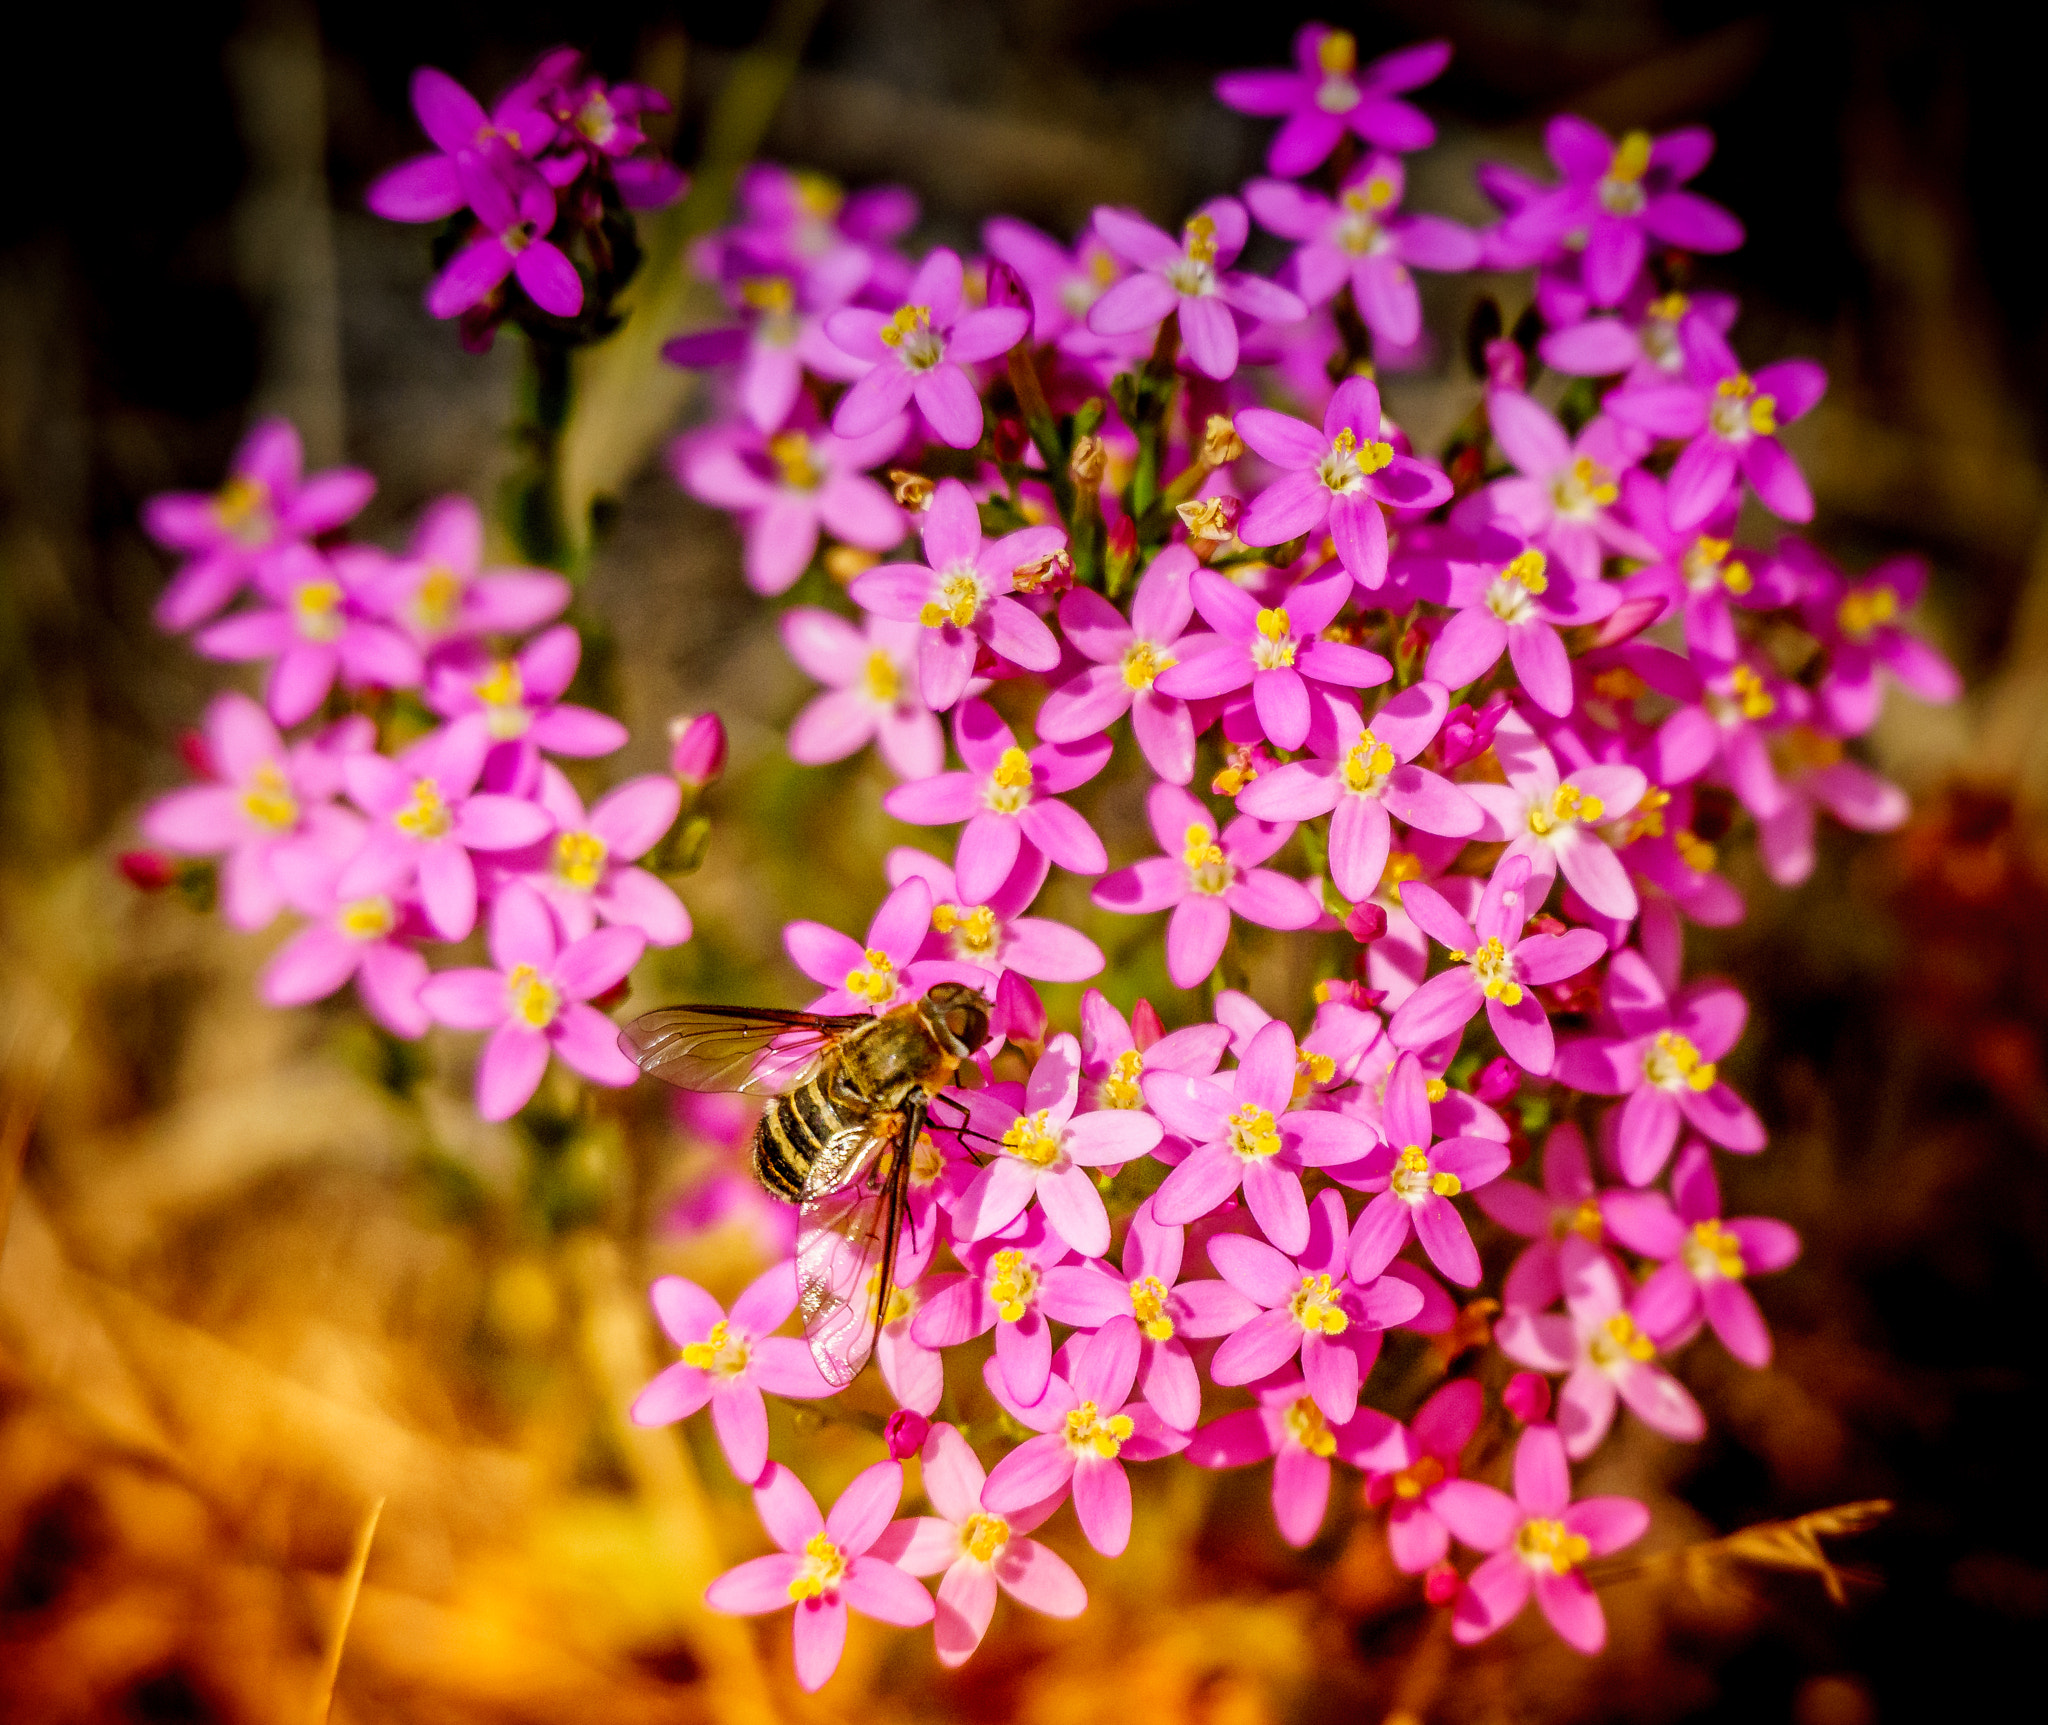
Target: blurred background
x,y
259,1274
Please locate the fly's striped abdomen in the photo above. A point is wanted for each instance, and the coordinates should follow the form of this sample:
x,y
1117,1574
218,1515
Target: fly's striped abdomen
x,y
795,1132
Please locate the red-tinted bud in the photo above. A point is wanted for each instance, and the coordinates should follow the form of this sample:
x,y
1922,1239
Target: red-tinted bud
x,y
1499,1079
147,871
1146,1027
1019,1011
198,758
1009,439
1507,366
1366,923
905,1433
1527,1397
697,751
1441,1584
1123,552
1006,289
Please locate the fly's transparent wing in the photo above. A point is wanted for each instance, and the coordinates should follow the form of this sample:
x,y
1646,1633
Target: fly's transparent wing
x,y
852,1226
755,1051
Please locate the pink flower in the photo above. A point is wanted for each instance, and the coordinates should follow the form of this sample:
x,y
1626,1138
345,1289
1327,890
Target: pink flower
x,y
991,933
1190,276
1539,1540
1328,93
979,1551
1307,1306
267,800
962,596
1700,574
1327,1058
824,1566
1247,1134
1662,1055
265,505
1495,965
1367,781
426,817
315,626
917,353
532,1001
1045,1151
1090,1427
439,591
1858,622
1290,1426
1127,660
1002,1290
1274,648
1603,1341
1063,283
1204,879
1116,1052
585,870
697,748
728,1361
1412,1478
1551,819
1360,239
514,242
791,486
1346,475
1562,1223
516,704
915,1374
471,148
1510,598
1566,488
1705,1259
884,972
1825,779
871,693
1007,796
1416,1180
1167,1310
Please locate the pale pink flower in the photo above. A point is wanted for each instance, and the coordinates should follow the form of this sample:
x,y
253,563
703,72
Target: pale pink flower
x,y
1565,489
871,692
585,870
992,933
440,591
516,703
1562,1223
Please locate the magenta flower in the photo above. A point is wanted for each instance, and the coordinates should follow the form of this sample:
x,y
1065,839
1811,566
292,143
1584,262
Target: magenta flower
x,y
1699,573
1116,1053
1327,1058
1705,1259
916,353
1289,1426
515,704
1603,1341
979,1551
316,626
1247,1133
1274,649
266,799
790,487
1308,1307
471,148
1824,779
1203,879
884,972
368,939
1367,782
1007,796
1169,1312
1416,1179
1662,1056
1089,1428
1190,277
1044,1151
1731,421
532,999
1563,1223
1622,197
1857,621
1002,1289
1328,93
1423,1460
728,1361
824,1567
871,693
1566,488
426,817
784,302
439,591
1495,965
1539,1540
1127,659
584,871
1361,240
1063,284
961,596
992,933
1510,598
1346,476
513,243
265,505
915,1374
1550,819
1643,341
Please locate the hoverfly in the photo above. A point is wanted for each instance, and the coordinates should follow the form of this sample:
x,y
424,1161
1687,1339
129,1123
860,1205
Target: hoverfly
x,y
848,1099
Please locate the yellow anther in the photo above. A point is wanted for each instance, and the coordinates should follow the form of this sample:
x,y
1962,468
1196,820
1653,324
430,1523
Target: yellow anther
x,y
1209,517
1551,1545
983,1535
1401,866
911,490
1144,663
1013,771
268,801
1621,1338
1670,308
908,321
242,507
1631,158
878,982
316,607
926,1164
1253,1132
1345,442
791,453
426,816
1087,1429
1337,53
433,606
721,1351
973,931
1585,1221
1737,578
1584,487
1567,804
1030,1138
1201,849
1673,1061
1619,684
1862,610
503,694
369,918
1052,568
1648,822
1367,765
1738,408
1711,1250
1756,701
1528,571
1120,1088
1414,1179
1199,238
884,681
824,1568
1435,1089
1418,1477
534,1000
1494,966
580,859
1316,1307
1694,851
1315,1067
772,294
958,603
1273,623
1148,1305
1306,1426
1013,1285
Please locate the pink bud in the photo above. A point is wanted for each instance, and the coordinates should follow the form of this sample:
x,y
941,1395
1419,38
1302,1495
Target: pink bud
x,y
1019,1012
1628,619
1497,1081
1442,1583
198,758
697,754
147,871
1507,366
1527,1397
905,1433
1146,1027
1006,288
1366,923
1467,735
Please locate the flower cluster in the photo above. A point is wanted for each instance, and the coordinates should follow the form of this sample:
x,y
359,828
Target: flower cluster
x,y
1480,730
417,795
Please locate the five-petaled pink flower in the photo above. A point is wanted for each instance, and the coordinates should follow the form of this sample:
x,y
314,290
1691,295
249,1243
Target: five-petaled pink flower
x,y
470,146
585,868
824,1566
1562,1223
884,972
1859,622
1328,93
1509,597
1423,1460
991,932
1564,489
1001,1290
871,692
516,703
440,591
513,242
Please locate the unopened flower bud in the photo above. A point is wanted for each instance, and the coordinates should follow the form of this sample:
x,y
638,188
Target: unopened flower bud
x,y
1366,923
1052,573
198,758
1499,1079
904,1433
1527,1397
913,490
1146,1026
1442,1583
1019,1011
147,870
843,563
1009,439
1123,552
1220,442
1006,289
1507,366
697,748
1089,461
1210,517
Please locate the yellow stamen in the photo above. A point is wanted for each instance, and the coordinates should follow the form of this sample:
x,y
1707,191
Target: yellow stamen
x,y
1030,1139
1367,765
1145,663
1337,53
1673,1061
1316,1309
824,1568
983,1535
1087,1429
973,931
1756,701
1148,1304
1631,158
267,799
1864,609
1567,804
1494,966
580,859
1551,1545
1648,821
1120,1088
426,816
1620,1339
534,1000
1418,1477
1528,571
1013,1285
369,918
316,608
1306,1426
958,603
878,982
908,321
1694,851
1253,1132
791,453
1199,239
884,681
721,1351
768,294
